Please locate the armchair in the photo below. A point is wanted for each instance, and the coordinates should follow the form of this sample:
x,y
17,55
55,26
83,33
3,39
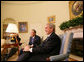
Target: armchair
x,y
3,42
65,48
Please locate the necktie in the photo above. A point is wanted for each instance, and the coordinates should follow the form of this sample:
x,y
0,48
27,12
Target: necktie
x,y
47,38
32,40
45,41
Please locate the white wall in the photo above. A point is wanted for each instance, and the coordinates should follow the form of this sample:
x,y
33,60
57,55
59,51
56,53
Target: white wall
x,y
36,15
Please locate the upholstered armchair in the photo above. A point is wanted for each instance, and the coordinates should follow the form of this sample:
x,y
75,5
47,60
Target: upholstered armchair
x,y
65,48
3,42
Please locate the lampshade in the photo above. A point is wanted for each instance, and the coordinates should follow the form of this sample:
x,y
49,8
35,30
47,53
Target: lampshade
x,y
12,28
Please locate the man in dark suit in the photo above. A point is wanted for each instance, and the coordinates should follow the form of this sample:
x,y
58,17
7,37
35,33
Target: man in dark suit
x,y
34,41
50,46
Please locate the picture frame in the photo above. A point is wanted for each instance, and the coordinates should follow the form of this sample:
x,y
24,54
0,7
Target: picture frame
x,y
51,19
23,27
75,9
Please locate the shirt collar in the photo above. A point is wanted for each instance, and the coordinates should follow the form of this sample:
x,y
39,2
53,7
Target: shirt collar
x,y
33,37
49,34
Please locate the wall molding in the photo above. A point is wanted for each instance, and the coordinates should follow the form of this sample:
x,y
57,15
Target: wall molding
x,y
21,2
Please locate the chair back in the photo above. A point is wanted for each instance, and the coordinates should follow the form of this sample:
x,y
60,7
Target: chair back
x,y
66,40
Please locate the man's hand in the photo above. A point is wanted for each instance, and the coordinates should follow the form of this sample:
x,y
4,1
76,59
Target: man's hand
x,y
26,48
32,46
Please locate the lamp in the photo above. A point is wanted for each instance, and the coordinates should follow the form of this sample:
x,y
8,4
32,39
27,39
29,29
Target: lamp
x,y
12,28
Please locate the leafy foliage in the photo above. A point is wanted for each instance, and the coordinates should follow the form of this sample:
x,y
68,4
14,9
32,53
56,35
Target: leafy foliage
x,y
72,23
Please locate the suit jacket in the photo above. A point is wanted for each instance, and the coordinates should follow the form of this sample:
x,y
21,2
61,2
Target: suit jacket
x,y
50,46
36,41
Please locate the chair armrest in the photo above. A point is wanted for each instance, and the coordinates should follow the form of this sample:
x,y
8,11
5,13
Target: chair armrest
x,y
2,50
58,57
2,42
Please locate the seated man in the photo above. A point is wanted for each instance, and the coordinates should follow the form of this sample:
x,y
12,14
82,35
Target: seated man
x,y
50,46
34,40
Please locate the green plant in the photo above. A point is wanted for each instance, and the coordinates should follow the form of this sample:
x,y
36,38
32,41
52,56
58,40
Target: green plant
x,y
72,23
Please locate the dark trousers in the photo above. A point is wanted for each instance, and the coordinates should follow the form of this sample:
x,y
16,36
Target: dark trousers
x,y
27,56
11,53
24,56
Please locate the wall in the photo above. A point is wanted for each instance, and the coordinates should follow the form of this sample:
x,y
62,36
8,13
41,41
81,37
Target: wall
x,y
36,15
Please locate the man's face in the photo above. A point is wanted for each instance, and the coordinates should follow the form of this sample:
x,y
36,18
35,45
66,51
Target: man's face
x,y
32,33
48,30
